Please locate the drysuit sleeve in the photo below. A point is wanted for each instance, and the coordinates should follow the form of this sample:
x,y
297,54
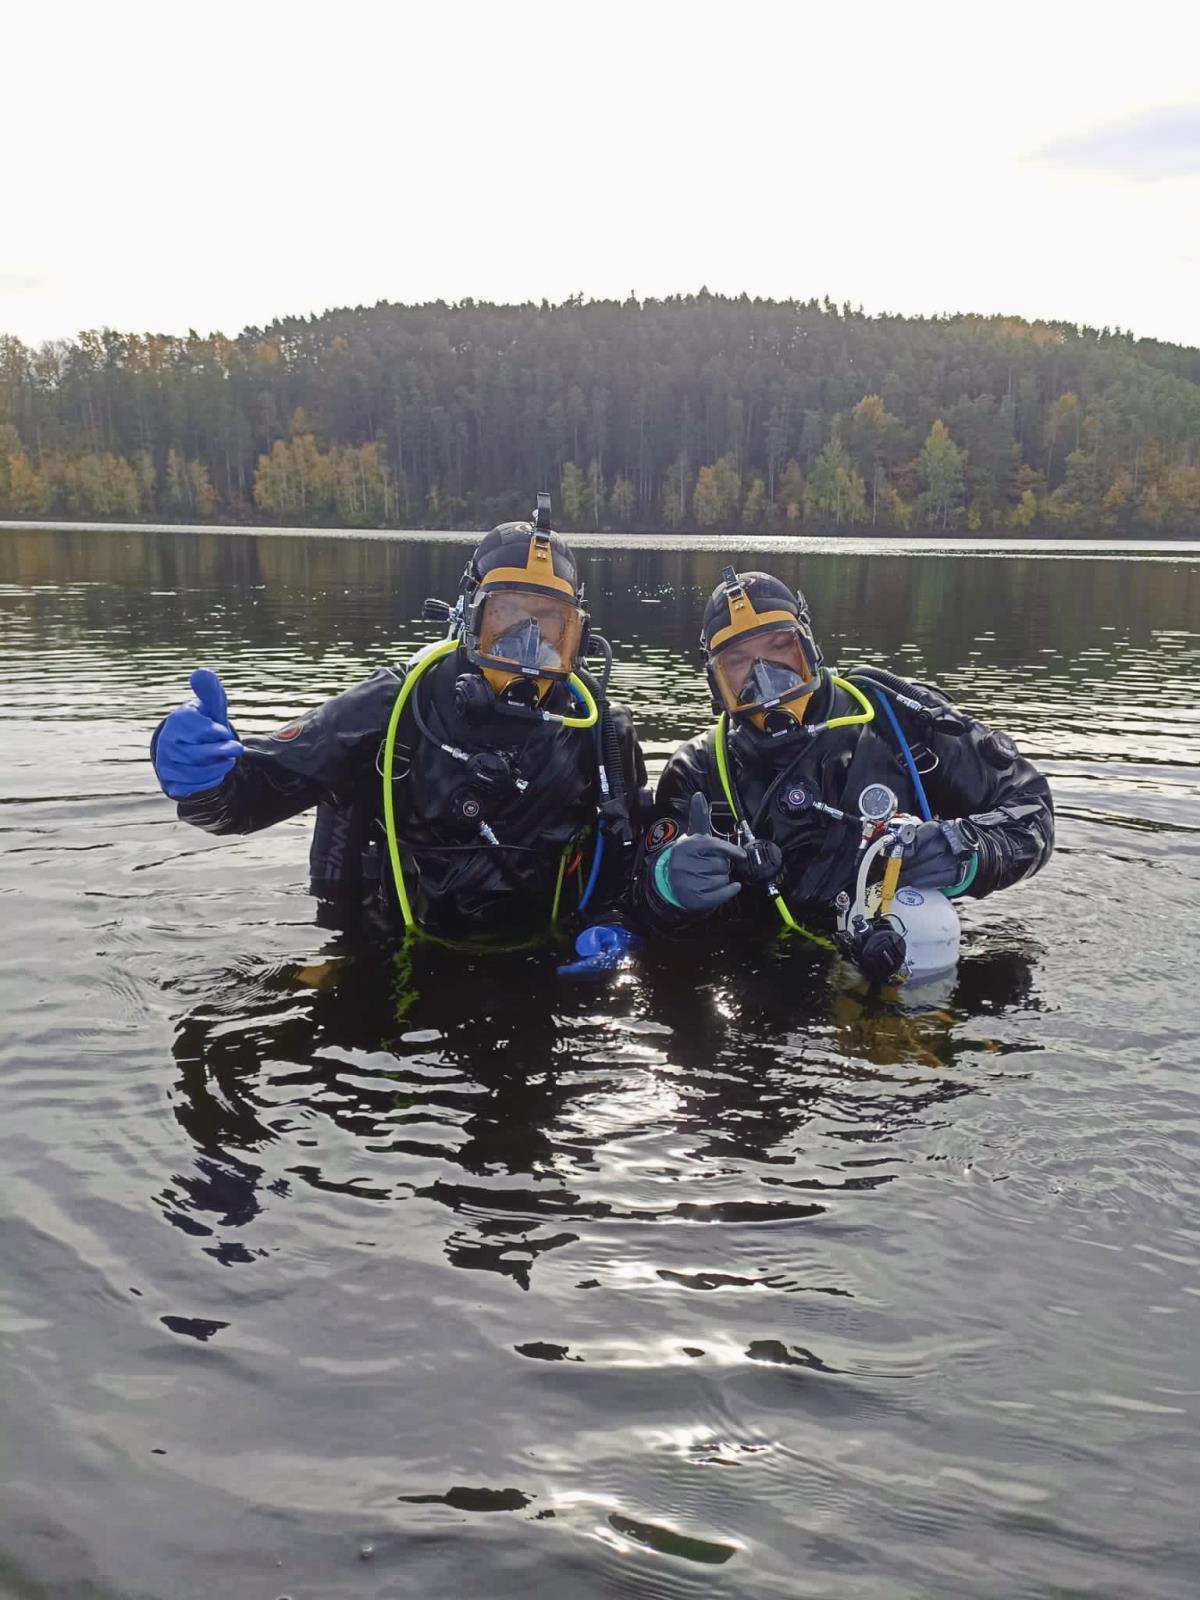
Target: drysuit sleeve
x,y
320,756
690,770
1003,802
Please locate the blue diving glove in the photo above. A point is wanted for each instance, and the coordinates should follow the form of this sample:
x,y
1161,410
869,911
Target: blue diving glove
x,y
194,747
601,947
938,858
696,872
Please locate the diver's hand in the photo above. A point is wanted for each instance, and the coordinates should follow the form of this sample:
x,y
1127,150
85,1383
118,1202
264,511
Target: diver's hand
x,y
938,857
194,746
695,873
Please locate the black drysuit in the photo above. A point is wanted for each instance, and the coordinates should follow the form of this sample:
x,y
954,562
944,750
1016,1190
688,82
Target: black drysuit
x,y
969,772
480,859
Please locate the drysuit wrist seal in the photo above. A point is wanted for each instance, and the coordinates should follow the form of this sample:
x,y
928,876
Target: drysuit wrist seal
x,y
661,880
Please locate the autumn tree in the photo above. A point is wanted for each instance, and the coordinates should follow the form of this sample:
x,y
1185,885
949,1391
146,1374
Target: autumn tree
x,y
570,491
875,440
834,491
942,477
754,504
1062,428
592,501
676,494
791,493
717,495
621,501
175,483
23,490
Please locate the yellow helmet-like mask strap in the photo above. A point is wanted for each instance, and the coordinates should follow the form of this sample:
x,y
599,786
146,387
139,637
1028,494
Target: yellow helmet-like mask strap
x,y
537,573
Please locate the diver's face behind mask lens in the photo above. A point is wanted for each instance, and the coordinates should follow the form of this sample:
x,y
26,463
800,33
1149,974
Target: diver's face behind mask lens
x,y
761,669
530,631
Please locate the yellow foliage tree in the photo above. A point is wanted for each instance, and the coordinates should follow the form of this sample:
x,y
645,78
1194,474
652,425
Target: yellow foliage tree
x,y
1026,509
23,490
203,495
706,499
622,500
754,504
790,493
717,494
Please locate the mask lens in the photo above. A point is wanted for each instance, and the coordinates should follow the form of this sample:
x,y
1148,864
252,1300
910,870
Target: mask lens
x,y
761,668
530,631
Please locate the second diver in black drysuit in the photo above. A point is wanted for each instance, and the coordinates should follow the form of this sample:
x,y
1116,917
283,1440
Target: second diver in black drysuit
x,y
767,811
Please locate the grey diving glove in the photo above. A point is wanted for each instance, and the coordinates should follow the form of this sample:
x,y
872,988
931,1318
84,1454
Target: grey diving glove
x,y
696,872
938,858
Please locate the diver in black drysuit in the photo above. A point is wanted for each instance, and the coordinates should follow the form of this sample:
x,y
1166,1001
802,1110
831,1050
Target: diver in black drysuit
x,y
993,817
496,807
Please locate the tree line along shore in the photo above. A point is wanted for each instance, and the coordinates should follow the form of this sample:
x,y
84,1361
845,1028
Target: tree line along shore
x,y
692,413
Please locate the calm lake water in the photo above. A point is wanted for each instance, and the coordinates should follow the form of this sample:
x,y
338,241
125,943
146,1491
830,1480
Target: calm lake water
x,y
329,1274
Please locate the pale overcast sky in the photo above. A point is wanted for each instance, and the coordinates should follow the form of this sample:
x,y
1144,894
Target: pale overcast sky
x,y
217,165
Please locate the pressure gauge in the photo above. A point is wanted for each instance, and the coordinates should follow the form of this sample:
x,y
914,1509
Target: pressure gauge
x,y
877,804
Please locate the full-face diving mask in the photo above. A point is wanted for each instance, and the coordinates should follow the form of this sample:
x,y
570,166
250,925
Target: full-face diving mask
x,y
763,662
768,683
524,625
528,633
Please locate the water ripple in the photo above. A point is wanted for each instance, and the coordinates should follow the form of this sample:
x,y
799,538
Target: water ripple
x,y
730,1279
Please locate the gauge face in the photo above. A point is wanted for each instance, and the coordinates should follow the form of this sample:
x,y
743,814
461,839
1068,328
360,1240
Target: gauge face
x,y
877,803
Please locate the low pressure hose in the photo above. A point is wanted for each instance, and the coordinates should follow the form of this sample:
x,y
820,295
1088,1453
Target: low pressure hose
x,y
416,666
584,695
597,853
953,891
608,762
606,652
906,752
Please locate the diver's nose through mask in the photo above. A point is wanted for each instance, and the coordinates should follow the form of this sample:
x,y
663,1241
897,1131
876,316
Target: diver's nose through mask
x,y
530,632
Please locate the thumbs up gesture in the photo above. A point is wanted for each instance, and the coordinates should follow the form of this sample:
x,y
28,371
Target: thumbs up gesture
x,y
194,747
696,872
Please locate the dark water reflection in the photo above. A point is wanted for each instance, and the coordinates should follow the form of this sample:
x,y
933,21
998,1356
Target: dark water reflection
x,y
328,1271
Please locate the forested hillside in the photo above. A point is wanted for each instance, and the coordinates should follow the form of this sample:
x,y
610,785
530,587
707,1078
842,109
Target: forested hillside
x,y
696,412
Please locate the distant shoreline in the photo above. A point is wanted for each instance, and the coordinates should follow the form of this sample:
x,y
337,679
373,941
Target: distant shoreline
x,y
700,411
817,544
